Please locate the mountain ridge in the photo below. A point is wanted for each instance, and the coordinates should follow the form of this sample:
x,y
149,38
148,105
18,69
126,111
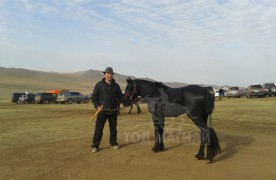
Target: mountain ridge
x,y
21,78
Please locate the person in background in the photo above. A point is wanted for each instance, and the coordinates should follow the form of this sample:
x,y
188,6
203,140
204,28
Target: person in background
x,y
221,93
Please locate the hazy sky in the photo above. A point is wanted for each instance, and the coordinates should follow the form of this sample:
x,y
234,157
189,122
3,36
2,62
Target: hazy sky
x,y
219,42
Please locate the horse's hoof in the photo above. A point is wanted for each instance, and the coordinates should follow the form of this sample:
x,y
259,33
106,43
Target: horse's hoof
x,y
199,156
155,149
210,159
161,147
210,156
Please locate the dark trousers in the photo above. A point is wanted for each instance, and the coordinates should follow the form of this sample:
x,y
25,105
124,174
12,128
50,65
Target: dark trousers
x,y
100,122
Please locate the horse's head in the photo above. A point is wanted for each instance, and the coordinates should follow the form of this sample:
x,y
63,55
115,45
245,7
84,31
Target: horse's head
x,y
130,92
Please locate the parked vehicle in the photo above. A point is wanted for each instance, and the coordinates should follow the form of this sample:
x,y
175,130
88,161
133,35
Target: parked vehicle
x,y
216,93
27,98
70,97
255,90
15,97
234,92
45,98
57,91
269,89
90,96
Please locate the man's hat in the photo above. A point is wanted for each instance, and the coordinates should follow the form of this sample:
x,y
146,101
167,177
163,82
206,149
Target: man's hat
x,y
108,70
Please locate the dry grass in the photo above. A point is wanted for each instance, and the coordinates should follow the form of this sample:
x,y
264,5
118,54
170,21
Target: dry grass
x,y
53,142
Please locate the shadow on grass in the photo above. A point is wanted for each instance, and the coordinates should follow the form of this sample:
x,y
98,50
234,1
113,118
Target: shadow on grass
x,y
230,144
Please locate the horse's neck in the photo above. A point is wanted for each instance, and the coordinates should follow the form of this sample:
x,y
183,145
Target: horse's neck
x,y
147,89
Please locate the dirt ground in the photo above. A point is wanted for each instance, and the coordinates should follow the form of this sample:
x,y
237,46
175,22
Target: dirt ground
x,y
53,142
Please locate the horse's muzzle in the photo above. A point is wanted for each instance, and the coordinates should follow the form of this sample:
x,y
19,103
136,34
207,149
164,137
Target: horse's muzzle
x,y
126,100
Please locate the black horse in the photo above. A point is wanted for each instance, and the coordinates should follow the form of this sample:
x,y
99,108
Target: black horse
x,y
135,102
164,101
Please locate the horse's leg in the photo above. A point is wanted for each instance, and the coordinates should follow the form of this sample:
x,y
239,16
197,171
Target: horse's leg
x,y
131,106
205,136
158,132
138,108
200,154
161,133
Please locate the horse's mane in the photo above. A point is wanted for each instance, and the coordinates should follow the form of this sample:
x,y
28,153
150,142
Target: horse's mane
x,y
154,83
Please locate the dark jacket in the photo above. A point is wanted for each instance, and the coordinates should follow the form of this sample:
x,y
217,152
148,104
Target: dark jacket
x,y
107,95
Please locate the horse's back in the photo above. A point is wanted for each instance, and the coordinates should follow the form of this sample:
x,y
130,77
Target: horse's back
x,y
184,94
193,97
199,98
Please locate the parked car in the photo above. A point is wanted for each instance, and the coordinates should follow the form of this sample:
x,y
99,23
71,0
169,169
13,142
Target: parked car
x,y
269,89
90,96
211,90
234,92
255,90
27,98
70,97
15,97
45,98
216,93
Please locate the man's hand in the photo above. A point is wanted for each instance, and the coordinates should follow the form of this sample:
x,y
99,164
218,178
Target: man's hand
x,y
100,108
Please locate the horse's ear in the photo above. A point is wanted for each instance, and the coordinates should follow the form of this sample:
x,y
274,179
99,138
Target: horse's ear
x,y
128,79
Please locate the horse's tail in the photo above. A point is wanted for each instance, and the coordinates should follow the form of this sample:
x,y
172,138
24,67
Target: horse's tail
x,y
209,102
214,142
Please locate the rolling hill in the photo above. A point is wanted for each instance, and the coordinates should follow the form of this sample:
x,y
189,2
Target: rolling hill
x,y
21,80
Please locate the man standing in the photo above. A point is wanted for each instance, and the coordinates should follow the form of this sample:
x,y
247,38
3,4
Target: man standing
x,y
106,97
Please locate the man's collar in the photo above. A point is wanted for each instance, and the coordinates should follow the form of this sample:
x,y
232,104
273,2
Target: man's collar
x,y
113,80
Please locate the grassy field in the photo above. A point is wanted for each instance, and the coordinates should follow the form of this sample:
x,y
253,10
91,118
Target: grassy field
x,y
53,141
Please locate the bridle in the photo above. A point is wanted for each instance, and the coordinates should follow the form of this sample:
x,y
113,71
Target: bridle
x,y
130,96
134,91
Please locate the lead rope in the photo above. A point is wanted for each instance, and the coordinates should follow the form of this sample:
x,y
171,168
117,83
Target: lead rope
x,y
124,107
210,121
